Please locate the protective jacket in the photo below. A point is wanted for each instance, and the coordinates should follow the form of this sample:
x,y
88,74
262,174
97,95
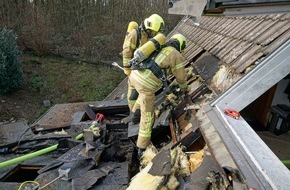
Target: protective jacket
x,y
137,37
170,60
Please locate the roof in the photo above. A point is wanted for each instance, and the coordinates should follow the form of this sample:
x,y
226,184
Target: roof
x,y
221,51
237,43
231,43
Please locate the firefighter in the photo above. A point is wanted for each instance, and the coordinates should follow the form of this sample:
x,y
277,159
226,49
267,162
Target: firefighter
x,y
146,83
149,28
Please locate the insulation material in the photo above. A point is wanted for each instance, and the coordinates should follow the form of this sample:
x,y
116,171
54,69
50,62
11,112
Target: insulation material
x,y
157,111
96,131
180,167
217,181
145,180
62,132
172,183
224,78
182,163
172,99
196,160
248,69
148,155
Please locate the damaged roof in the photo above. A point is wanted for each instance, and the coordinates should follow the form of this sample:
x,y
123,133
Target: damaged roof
x,y
220,51
232,44
224,50
236,43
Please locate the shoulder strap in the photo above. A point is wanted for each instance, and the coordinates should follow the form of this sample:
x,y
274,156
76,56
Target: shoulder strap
x,y
156,69
145,64
138,37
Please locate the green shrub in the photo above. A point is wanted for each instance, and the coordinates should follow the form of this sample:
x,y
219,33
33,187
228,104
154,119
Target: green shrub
x,y
37,83
11,74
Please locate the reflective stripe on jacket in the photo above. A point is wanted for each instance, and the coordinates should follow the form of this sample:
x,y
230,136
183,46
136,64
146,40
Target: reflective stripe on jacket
x,y
168,58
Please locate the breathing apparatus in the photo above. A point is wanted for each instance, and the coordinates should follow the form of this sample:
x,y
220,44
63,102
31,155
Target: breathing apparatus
x,y
147,49
144,57
131,26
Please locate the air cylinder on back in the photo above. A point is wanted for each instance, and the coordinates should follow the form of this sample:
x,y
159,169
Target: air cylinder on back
x,y
148,48
131,26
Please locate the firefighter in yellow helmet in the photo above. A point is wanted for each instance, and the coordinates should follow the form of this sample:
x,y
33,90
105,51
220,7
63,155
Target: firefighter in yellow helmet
x,y
149,28
170,60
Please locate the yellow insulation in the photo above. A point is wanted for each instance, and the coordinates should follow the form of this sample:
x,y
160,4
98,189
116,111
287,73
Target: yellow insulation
x,y
181,166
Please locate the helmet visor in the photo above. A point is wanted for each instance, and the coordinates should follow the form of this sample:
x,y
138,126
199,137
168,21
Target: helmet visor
x,y
182,46
161,29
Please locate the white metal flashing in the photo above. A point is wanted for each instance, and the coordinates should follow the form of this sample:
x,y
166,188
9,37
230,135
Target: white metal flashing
x,y
261,163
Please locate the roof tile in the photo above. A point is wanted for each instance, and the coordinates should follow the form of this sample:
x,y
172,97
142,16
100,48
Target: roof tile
x,y
273,33
243,59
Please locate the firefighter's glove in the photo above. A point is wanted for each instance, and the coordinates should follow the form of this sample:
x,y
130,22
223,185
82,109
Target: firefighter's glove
x,y
127,71
171,97
171,100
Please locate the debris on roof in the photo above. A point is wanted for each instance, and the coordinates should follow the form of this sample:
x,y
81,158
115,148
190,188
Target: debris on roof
x,y
99,153
106,149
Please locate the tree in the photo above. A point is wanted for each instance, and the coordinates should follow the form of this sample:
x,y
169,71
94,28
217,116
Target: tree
x,y
11,74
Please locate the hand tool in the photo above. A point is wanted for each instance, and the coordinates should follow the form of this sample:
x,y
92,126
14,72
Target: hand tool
x,y
100,118
117,65
61,174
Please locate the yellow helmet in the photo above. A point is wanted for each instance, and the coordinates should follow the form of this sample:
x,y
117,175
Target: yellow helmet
x,y
154,22
181,40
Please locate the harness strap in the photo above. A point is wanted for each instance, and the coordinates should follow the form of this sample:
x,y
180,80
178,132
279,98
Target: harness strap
x,y
138,30
150,64
156,43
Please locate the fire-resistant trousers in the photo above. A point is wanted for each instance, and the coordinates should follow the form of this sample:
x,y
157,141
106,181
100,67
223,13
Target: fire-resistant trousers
x,y
146,99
